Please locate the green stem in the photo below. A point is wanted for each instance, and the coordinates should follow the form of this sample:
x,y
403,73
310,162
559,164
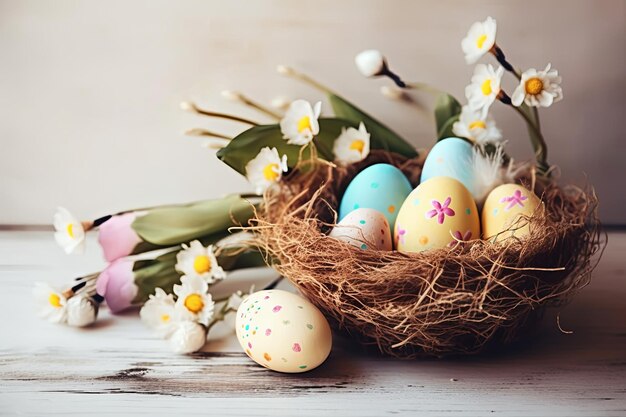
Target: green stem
x,y
424,87
537,140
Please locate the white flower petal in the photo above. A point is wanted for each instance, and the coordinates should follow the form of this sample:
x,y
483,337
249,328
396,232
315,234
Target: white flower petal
x,y
188,337
370,63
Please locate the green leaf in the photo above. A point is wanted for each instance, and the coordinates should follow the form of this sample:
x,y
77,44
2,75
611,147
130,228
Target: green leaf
x,y
155,274
381,136
246,146
177,224
447,111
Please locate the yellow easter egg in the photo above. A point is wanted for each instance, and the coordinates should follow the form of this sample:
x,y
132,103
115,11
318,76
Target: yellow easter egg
x,y
439,213
505,211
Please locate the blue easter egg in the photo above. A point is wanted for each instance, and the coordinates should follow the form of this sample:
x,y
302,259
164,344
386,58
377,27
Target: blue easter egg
x,y
381,187
450,157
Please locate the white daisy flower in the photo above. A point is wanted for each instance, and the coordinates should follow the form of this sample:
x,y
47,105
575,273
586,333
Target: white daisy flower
x,y
266,169
70,234
158,313
352,145
188,337
300,124
480,38
476,128
81,311
484,88
52,304
538,88
370,63
193,302
198,261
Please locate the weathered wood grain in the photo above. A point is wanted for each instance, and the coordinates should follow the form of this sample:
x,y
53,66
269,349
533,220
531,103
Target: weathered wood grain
x,y
118,367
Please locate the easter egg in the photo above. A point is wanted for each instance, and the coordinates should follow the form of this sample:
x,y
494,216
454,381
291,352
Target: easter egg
x,y
364,228
283,331
440,212
503,210
381,187
450,157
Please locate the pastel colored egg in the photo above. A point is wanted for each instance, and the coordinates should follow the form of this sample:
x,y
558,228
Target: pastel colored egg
x,y
503,211
450,157
381,187
364,228
439,213
283,331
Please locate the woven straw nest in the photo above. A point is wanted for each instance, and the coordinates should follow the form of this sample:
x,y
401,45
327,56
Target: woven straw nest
x,y
441,302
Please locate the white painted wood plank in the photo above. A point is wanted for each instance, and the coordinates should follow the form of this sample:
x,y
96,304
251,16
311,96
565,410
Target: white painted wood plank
x,y
119,367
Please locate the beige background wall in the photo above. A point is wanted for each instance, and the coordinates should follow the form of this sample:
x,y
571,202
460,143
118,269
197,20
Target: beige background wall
x,y
89,90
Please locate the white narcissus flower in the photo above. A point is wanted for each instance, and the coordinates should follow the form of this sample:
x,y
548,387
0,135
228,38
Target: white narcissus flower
x,y
158,313
484,88
480,38
81,311
193,302
300,123
473,126
538,88
266,169
188,337
352,145
52,304
370,63
70,234
196,260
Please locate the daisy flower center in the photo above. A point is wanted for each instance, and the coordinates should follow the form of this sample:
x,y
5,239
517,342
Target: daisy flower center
x,y
304,123
202,264
477,124
357,145
481,41
194,303
534,86
270,172
70,230
165,318
485,87
54,300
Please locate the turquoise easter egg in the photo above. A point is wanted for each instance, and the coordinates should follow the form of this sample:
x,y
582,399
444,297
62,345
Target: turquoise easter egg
x,y
450,157
381,187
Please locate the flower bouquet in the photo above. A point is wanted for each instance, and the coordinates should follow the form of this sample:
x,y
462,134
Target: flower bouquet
x,y
450,251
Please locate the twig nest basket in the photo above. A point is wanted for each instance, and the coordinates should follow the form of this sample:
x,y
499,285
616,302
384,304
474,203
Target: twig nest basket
x,y
440,302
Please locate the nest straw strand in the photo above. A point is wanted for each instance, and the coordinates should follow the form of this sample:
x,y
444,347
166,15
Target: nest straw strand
x,y
435,303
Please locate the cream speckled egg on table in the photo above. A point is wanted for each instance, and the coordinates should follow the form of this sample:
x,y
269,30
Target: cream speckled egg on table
x,y
283,331
364,228
503,209
438,213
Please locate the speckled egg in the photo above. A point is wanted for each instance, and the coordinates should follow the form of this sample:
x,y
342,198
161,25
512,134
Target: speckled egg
x,y
283,331
381,187
438,213
364,228
503,210
450,157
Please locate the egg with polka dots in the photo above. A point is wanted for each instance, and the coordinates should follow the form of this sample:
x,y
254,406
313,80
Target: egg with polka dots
x,y
364,228
439,213
381,187
283,331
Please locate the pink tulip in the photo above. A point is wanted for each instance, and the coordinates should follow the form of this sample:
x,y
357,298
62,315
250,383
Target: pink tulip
x,y
117,285
117,237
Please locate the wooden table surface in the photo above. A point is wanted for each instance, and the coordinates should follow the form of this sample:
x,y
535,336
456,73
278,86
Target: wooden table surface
x,y
119,367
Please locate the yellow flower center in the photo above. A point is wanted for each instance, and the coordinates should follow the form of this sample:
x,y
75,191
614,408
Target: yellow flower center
x,y
477,124
534,86
485,87
194,303
70,230
304,123
54,300
481,40
270,172
357,145
202,264
165,318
